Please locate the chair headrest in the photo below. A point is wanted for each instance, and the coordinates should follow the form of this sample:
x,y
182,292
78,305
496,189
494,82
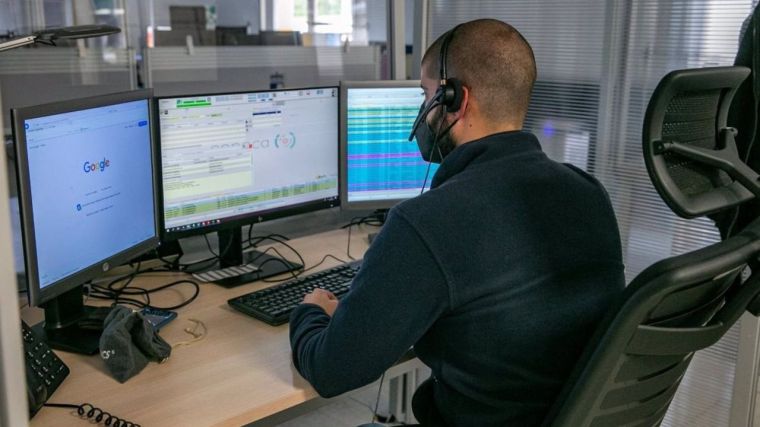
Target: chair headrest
x,y
689,150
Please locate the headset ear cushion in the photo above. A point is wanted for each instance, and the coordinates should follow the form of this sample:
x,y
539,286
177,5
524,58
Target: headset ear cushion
x,y
440,94
453,95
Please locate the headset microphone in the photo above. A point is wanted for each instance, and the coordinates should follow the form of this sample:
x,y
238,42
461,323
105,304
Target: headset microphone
x,y
424,110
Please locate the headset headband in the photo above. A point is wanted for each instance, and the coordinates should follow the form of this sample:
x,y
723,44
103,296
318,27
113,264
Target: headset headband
x,y
445,53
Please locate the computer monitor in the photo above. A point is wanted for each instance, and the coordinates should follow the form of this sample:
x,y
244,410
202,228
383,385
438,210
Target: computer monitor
x,y
87,192
229,160
280,38
379,166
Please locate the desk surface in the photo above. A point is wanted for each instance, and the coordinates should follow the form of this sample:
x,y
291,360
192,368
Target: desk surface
x,y
241,372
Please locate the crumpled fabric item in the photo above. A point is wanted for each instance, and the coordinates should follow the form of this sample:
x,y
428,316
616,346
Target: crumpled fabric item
x,y
129,342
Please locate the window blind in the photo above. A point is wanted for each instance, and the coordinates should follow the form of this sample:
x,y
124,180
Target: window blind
x,y
598,64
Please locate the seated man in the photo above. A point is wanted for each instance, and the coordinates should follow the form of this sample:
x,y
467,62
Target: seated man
x,y
497,275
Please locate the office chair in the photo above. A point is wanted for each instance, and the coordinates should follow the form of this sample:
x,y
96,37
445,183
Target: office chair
x,y
636,359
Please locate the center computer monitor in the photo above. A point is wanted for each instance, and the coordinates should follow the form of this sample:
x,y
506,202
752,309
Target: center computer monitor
x,y
379,166
234,159
87,189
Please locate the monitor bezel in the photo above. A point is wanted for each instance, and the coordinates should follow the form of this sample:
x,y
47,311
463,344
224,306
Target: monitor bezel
x,y
253,217
343,145
39,295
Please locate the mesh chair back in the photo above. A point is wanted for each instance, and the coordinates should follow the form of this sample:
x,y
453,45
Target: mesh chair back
x,y
686,117
633,365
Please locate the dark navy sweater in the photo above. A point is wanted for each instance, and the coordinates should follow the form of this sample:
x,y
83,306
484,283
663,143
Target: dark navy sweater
x,y
497,277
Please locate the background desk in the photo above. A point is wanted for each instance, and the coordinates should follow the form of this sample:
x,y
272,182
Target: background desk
x,y
241,372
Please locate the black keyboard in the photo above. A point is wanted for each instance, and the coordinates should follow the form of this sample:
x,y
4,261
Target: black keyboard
x,y
45,371
274,305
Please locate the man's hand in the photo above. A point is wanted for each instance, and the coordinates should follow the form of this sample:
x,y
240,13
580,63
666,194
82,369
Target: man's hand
x,y
325,299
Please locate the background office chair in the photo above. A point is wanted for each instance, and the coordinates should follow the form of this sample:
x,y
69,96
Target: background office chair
x,y
634,363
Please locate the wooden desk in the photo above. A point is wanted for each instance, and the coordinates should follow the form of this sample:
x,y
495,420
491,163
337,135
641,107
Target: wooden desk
x,y
241,372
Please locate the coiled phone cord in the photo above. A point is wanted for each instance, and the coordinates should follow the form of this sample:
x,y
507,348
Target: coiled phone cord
x,y
90,412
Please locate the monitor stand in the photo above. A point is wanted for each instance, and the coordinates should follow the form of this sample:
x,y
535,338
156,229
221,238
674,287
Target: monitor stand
x,y
70,325
266,265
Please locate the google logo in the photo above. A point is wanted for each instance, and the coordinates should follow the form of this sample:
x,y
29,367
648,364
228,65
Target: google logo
x,y
94,166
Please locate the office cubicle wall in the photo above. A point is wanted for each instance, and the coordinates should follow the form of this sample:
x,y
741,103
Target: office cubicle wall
x,y
38,75
180,70
13,406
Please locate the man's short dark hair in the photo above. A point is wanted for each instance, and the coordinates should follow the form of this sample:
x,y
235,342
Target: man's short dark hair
x,y
494,61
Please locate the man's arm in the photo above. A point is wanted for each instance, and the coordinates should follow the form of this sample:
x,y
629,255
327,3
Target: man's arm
x,y
394,299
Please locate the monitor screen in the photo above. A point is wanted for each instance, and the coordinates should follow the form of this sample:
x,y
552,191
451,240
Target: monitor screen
x,y
381,167
232,159
87,187
88,198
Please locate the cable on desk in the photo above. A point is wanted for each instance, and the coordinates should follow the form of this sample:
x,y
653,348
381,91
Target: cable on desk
x,y
223,252
282,260
375,219
175,283
111,291
94,414
348,245
296,274
124,294
278,238
119,297
178,266
324,258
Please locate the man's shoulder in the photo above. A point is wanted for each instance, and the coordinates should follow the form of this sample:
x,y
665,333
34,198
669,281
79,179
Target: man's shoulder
x,y
424,206
432,216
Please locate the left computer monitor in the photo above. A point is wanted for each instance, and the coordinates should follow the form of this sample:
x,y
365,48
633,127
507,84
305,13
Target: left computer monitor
x,y
87,192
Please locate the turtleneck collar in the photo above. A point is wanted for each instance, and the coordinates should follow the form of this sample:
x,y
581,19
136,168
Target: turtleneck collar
x,y
503,144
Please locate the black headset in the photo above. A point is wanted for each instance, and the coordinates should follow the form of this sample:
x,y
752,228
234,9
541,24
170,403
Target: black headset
x,y
449,93
450,88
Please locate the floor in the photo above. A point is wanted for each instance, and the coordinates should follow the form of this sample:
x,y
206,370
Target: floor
x,y
349,410
354,409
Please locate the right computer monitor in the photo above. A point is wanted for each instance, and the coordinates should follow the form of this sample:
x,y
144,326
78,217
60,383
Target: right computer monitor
x,y
379,166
